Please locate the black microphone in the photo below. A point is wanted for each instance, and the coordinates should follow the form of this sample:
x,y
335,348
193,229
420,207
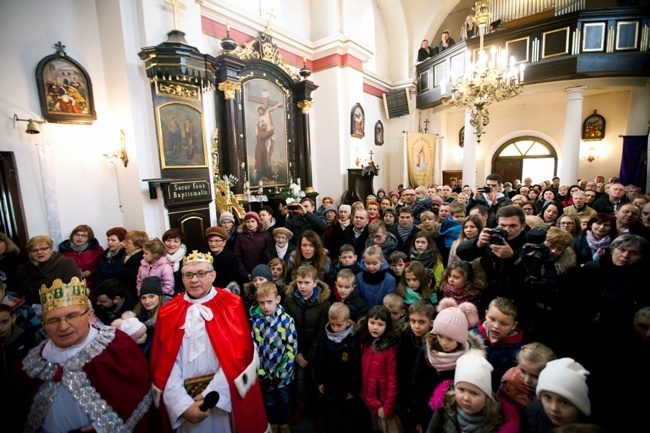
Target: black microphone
x,y
211,399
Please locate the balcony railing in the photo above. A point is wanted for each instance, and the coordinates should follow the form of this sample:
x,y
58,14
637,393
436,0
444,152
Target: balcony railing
x,y
583,44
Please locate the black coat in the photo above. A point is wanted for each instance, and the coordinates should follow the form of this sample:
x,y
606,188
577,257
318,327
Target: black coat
x,y
31,277
108,268
128,274
359,243
226,265
338,365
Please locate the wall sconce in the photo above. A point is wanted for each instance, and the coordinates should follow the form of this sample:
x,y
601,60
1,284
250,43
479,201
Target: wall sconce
x,y
119,152
31,124
592,154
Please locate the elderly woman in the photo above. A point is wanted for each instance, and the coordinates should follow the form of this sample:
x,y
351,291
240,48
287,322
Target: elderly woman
x,y
110,262
519,200
45,265
84,249
595,240
10,259
282,248
133,242
176,250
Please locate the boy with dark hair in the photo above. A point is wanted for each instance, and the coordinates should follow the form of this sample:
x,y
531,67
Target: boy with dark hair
x,y
112,300
346,291
397,261
307,302
450,229
274,333
404,230
338,369
490,196
347,259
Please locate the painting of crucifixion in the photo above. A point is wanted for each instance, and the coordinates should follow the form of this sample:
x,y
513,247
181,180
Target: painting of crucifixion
x,y
265,109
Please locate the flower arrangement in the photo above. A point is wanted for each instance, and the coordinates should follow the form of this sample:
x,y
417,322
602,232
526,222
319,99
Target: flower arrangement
x,y
229,178
292,193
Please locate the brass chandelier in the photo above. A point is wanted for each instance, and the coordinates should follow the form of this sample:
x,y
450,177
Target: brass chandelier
x,y
489,79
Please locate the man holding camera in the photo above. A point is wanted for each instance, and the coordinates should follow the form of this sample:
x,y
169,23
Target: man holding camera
x,y
301,217
499,249
491,197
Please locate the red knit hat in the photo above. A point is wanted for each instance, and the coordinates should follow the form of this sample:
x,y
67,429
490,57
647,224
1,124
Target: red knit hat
x,y
252,215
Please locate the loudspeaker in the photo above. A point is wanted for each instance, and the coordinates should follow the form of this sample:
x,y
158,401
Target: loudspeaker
x,y
396,103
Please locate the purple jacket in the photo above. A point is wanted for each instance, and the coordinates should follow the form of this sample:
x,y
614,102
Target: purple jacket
x,y
249,249
162,269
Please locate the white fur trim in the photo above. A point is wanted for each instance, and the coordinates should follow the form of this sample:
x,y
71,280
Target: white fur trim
x,y
247,378
157,393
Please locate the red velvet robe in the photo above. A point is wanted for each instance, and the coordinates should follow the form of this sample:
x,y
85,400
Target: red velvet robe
x,y
230,335
120,374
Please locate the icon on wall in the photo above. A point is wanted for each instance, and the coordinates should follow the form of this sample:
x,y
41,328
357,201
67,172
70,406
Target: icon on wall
x,y
379,133
593,128
357,121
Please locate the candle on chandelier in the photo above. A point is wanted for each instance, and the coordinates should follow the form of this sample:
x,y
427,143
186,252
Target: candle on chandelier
x,y
227,28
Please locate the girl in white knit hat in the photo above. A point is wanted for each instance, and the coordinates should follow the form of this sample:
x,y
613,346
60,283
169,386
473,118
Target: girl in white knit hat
x,y
469,405
436,362
563,397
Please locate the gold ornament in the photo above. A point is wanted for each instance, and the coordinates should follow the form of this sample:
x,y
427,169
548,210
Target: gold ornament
x,y
197,257
63,295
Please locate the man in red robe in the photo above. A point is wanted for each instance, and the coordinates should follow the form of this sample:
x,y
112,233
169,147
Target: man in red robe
x,y
87,377
202,344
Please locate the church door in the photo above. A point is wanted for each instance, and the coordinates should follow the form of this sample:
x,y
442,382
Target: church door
x,y
525,157
12,220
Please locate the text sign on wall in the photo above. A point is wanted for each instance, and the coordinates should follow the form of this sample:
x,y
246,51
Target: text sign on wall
x,y
179,192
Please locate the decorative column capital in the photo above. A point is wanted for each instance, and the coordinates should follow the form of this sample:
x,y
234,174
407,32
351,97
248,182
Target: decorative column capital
x,y
229,88
305,106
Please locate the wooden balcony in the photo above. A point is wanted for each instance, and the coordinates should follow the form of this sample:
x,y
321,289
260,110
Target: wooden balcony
x,y
585,44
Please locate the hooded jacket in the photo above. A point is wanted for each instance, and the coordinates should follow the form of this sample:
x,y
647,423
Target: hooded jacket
x,y
501,354
373,287
162,269
309,315
389,245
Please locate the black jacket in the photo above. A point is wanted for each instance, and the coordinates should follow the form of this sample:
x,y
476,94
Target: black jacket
x,y
31,277
492,210
338,365
128,274
226,265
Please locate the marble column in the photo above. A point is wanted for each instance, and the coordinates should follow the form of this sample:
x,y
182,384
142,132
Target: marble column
x,y
572,128
469,153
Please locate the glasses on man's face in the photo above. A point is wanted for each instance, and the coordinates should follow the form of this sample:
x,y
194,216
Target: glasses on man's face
x,y
71,319
39,250
199,274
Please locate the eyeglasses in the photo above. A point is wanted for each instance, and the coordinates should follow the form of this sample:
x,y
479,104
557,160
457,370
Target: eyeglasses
x,y
216,241
567,223
39,250
198,274
81,235
377,237
71,319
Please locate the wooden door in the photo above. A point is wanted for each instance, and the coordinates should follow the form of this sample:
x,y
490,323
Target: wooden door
x,y
508,168
12,219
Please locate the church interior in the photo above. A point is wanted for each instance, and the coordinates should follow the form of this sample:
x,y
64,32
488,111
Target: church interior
x,y
106,152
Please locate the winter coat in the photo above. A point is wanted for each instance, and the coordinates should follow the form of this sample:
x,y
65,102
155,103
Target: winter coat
x,y
354,301
86,260
326,274
162,269
373,287
359,243
31,277
389,245
309,221
338,365
108,268
502,201
505,277
226,265
580,246
501,354
336,239
249,249
535,420
379,372
24,315
425,378
277,346
310,316
444,418
407,351
449,231
603,204
128,275
271,253
404,245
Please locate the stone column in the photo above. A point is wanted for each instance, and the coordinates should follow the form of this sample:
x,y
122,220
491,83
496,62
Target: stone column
x,y
304,156
229,88
572,128
469,153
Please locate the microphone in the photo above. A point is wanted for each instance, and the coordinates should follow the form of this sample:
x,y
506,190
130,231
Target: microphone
x,y
211,399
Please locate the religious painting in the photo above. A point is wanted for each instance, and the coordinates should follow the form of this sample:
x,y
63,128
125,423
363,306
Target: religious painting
x,y
357,121
379,133
180,136
64,89
461,137
420,149
265,119
593,128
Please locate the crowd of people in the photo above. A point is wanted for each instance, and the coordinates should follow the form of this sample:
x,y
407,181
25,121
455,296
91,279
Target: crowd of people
x,y
507,307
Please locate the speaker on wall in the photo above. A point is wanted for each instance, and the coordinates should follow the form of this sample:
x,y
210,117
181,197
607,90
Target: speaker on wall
x,y
396,103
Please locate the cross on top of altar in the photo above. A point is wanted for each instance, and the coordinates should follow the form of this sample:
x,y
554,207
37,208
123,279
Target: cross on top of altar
x,y
268,24
177,5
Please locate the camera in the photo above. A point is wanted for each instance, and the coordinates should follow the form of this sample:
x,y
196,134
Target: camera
x,y
535,254
485,189
498,235
293,206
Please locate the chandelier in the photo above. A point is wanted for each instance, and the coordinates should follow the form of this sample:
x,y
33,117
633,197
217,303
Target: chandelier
x,y
491,78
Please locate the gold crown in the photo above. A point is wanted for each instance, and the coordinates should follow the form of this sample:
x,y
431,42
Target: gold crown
x,y
63,295
197,257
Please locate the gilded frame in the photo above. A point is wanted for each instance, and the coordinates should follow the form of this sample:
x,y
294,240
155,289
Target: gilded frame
x,y
357,121
181,136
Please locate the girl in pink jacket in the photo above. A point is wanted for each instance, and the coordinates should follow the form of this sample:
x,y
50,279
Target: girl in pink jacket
x,y
155,264
379,343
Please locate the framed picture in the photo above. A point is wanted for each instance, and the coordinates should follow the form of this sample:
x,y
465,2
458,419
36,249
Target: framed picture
x,y
593,128
265,120
461,137
357,121
180,136
64,89
379,133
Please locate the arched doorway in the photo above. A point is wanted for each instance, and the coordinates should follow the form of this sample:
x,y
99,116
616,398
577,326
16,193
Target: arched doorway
x,y
525,156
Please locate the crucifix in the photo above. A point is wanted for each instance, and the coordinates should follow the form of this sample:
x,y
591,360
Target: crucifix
x,y
264,99
371,155
426,125
268,24
177,6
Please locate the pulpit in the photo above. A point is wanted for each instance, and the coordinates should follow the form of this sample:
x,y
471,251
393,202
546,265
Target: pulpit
x,y
360,183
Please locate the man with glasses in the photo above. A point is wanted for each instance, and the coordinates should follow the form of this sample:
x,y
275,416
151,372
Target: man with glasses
x,y
83,363
45,265
201,345
225,262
